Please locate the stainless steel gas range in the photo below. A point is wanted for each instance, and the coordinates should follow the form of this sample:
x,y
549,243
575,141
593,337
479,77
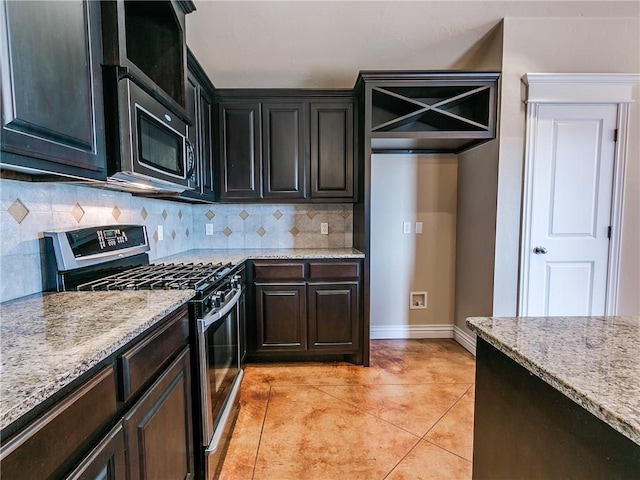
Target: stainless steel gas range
x,y
116,258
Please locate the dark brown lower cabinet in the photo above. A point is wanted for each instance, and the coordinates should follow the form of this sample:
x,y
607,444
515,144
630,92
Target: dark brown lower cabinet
x,y
158,429
106,461
306,310
333,315
281,317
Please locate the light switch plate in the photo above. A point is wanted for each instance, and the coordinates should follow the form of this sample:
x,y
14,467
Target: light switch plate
x,y
406,227
209,228
418,227
324,229
160,233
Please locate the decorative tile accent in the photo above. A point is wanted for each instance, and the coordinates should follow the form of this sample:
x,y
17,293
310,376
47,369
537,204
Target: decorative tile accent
x,y
173,234
77,212
187,232
244,214
18,211
345,214
227,231
209,214
164,214
277,214
155,236
294,231
116,213
311,214
261,231
180,214
144,213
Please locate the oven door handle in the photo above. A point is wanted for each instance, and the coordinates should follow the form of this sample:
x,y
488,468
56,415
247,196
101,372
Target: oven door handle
x,y
204,323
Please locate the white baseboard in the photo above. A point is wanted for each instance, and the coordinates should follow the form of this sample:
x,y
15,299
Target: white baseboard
x,y
463,338
393,332
383,332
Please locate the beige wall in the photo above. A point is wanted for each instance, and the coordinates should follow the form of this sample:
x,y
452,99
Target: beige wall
x,y
568,45
476,213
412,188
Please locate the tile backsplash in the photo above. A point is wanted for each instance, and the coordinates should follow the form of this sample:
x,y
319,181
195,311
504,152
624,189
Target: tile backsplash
x,y
28,209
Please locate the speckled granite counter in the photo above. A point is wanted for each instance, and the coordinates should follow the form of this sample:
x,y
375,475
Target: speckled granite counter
x,y
49,340
240,255
594,361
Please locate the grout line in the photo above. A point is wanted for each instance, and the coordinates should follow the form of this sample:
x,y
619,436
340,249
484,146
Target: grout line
x,y
448,410
402,459
446,450
264,419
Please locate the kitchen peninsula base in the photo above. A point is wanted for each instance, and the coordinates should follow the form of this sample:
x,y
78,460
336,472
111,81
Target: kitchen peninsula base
x,y
526,429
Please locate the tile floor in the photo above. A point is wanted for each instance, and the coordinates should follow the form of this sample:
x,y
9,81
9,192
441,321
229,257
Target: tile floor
x,y
408,416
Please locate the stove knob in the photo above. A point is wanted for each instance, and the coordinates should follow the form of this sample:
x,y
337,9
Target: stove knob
x,y
223,296
216,300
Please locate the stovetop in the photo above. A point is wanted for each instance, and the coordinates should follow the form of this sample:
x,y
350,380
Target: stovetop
x,y
201,277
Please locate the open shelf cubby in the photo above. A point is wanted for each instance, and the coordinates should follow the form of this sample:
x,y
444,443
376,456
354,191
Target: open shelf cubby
x,y
444,115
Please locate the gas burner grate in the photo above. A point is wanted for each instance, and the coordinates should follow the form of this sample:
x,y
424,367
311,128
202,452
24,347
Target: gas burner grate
x,y
173,276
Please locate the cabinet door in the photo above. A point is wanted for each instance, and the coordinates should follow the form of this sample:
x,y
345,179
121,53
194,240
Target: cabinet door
x,y
240,151
52,115
332,158
206,143
283,159
281,317
158,430
333,316
106,461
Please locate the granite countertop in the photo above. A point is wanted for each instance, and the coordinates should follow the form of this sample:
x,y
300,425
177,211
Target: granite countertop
x,y
592,360
236,256
49,340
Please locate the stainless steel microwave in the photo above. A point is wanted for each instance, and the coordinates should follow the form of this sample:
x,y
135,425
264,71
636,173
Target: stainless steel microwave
x,y
148,148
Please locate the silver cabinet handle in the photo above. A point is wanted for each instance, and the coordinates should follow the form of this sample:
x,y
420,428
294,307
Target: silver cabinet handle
x,y
540,250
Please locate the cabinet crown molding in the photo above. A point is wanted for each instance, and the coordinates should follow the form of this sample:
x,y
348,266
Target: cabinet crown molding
x,y
579,87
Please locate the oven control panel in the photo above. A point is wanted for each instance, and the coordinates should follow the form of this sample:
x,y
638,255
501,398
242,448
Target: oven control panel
x,y
91,241
96,245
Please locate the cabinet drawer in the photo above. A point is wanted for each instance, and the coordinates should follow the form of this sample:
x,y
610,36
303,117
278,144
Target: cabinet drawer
x,y
278,271
142,362
333,270
44,449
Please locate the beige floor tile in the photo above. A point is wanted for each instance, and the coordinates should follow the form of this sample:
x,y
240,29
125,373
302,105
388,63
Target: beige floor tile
x,y
430,462
415,408
455,431
341,421
240,458
310,435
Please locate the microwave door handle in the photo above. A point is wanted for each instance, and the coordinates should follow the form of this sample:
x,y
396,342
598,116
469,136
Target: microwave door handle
x,y
204,323
191,163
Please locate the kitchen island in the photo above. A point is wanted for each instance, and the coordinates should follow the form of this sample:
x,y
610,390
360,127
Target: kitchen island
x,y
557,397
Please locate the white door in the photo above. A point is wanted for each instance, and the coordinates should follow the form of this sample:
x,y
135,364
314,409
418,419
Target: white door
x,y
571,196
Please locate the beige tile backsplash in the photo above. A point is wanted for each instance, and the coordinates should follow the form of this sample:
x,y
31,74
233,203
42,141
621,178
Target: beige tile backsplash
x,y
28,209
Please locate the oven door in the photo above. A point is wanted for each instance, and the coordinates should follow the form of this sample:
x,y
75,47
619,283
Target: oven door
x,y
219,371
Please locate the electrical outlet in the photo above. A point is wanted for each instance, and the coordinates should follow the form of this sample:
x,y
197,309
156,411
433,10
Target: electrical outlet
x,y
160,232
406,227
418,227
209,228
324,229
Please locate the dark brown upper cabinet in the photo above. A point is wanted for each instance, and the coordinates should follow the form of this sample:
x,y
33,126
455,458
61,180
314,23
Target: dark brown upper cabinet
x,y
429,112
332,131
286,145
240,157
148,39
283,150
52,115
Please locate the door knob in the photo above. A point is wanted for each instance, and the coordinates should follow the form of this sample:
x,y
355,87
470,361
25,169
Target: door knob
x,y
540,250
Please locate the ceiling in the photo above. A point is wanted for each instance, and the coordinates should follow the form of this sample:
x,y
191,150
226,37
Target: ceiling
x,y
325,44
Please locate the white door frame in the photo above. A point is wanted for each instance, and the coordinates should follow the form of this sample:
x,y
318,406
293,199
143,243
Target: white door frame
x,y
581,88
